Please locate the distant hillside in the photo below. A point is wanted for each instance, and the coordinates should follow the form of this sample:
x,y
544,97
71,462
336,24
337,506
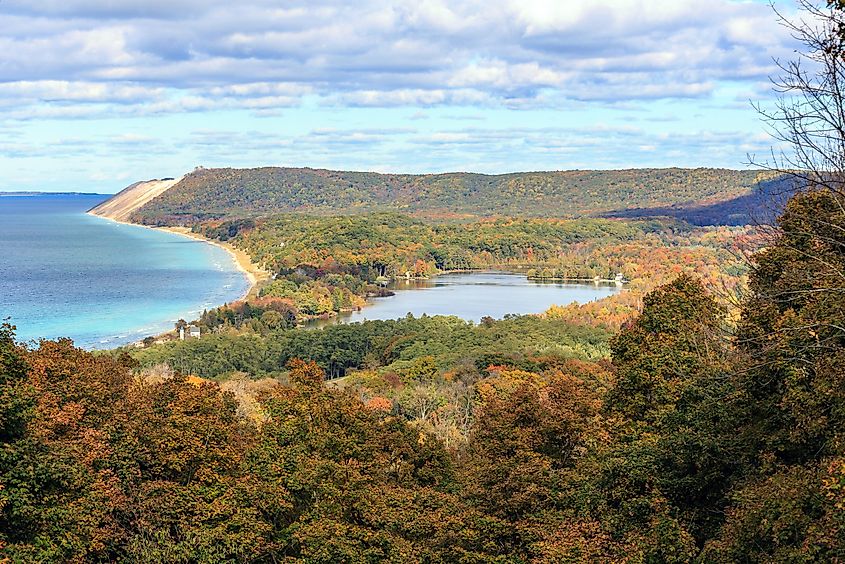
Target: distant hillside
x,y
234,193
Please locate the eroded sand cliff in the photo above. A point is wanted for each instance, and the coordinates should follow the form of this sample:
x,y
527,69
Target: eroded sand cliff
x,y
121,205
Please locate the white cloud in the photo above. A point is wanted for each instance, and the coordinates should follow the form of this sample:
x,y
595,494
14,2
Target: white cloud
x,y
77,91
254,54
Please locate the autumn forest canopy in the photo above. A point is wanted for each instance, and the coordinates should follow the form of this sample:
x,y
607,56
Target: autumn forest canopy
x,y
696,416
515,440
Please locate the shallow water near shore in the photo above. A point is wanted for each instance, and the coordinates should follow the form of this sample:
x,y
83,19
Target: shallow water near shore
x,y
64,273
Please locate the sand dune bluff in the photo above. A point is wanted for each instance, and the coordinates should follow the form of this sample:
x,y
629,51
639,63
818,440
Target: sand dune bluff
x,y
121,205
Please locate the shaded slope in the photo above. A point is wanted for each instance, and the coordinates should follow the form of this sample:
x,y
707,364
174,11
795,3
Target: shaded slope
x,y
760,206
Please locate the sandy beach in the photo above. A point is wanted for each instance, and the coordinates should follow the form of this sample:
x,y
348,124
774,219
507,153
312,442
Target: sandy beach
x,y
242,260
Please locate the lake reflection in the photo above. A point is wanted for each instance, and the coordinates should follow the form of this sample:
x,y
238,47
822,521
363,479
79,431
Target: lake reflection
x,y
472,296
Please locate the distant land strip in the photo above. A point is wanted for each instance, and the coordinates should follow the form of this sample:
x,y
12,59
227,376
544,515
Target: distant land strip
x,y
701,196
31,193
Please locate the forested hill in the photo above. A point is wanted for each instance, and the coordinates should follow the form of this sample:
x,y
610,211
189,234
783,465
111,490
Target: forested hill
x,y
232,193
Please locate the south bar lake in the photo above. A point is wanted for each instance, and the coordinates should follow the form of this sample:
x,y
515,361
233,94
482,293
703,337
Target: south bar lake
x,y
104,284
472,296
69,274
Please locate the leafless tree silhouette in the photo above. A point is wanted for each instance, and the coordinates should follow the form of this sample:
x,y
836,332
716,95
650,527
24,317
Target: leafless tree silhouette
x,y
809,114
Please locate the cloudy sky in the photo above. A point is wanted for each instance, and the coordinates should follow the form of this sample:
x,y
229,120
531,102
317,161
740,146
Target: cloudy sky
x,y
95,94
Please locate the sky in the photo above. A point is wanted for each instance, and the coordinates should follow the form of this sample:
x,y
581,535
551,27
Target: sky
x,y
96,94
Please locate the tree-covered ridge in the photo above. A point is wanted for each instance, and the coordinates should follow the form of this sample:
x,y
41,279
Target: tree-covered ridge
x,y
236,193
392,243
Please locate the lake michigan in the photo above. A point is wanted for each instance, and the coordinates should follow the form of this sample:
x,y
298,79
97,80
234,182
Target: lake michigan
x,y
64,273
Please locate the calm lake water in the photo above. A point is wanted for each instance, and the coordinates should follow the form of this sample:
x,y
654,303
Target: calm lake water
x,y
64,273
475,295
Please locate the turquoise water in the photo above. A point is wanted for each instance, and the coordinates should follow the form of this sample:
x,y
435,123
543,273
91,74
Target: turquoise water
x,y
64,273
472,296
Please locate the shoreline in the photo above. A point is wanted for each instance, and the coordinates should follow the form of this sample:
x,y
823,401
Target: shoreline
x,y
242,261
254,274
